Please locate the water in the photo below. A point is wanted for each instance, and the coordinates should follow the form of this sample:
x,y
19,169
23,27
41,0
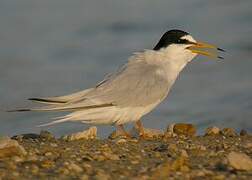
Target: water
x,y
56,47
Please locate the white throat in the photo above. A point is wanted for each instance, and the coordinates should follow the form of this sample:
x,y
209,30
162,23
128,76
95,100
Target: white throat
x,y
170,61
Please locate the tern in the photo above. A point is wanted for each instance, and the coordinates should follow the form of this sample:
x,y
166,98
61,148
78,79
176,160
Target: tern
x,y
135,89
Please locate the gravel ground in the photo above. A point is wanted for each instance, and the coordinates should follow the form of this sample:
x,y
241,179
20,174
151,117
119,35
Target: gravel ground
x,y
219,154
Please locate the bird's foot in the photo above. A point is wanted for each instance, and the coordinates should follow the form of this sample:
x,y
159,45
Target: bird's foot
x,y
140,129
120,133
143,135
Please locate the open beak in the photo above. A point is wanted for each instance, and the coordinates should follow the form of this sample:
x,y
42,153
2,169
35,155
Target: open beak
x,y
198,48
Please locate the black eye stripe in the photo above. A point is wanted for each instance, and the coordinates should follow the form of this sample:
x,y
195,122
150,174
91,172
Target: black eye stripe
x,y
183,41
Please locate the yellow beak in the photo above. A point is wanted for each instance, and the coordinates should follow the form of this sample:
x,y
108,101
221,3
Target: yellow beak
x,y
198,46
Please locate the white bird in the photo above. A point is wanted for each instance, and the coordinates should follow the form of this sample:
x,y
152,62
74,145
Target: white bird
x,y
133,91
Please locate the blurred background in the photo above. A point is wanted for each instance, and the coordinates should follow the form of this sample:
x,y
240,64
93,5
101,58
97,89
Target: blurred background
x,y
50,48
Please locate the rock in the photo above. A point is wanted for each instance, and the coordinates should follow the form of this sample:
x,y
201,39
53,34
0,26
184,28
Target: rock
x,y
161,148
90,133
239,161
9,147
170,128
212,131
228,132
26,136
31,157
74,167
243,132
173,148
169,131
34,169
111,156
48,154
202,148
180,164
121,141
163,171
46,135
84,177
17,159
87,168
219,177
134,162
184,129
148,133
247,145
117,135
47,164
184,153
101,175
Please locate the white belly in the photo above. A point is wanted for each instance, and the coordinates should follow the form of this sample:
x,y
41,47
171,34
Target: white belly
x,y
112,115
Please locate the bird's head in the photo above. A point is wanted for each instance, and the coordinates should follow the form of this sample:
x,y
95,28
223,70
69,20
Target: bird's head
x,y
180,43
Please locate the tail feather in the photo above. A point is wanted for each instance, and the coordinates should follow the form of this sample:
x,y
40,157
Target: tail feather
x,y
68,107
89,116
47,100
54,122
61,99
18,110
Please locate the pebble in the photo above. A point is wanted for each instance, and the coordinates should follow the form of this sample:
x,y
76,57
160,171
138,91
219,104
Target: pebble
x,y
17,159
134,162
54,145
90,133
74,167
243,132
173,148
101,175
88,168
121,141
212,131
184,129
31,157
184,153
180,164
239,161
200,174
34,169
219,177
148,133
169,132
162,171
9,147
202,148
47,164
174,158
48,154
228,132
117,135
161,148
248,145
84,177
111,156
46,135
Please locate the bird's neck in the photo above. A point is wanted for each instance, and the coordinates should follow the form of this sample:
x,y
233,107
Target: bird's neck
x,y
170,64
171,61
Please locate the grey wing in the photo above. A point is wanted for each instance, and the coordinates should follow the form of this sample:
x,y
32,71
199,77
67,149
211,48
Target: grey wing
x,y
137,84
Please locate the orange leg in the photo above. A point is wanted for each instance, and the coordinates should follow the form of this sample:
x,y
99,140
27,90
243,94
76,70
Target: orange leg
x,y
140,128
121,129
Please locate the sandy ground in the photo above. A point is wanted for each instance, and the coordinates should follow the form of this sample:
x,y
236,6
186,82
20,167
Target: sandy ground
x,y
217,155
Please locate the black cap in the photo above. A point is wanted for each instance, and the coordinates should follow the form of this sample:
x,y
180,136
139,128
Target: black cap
x,y
171,37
